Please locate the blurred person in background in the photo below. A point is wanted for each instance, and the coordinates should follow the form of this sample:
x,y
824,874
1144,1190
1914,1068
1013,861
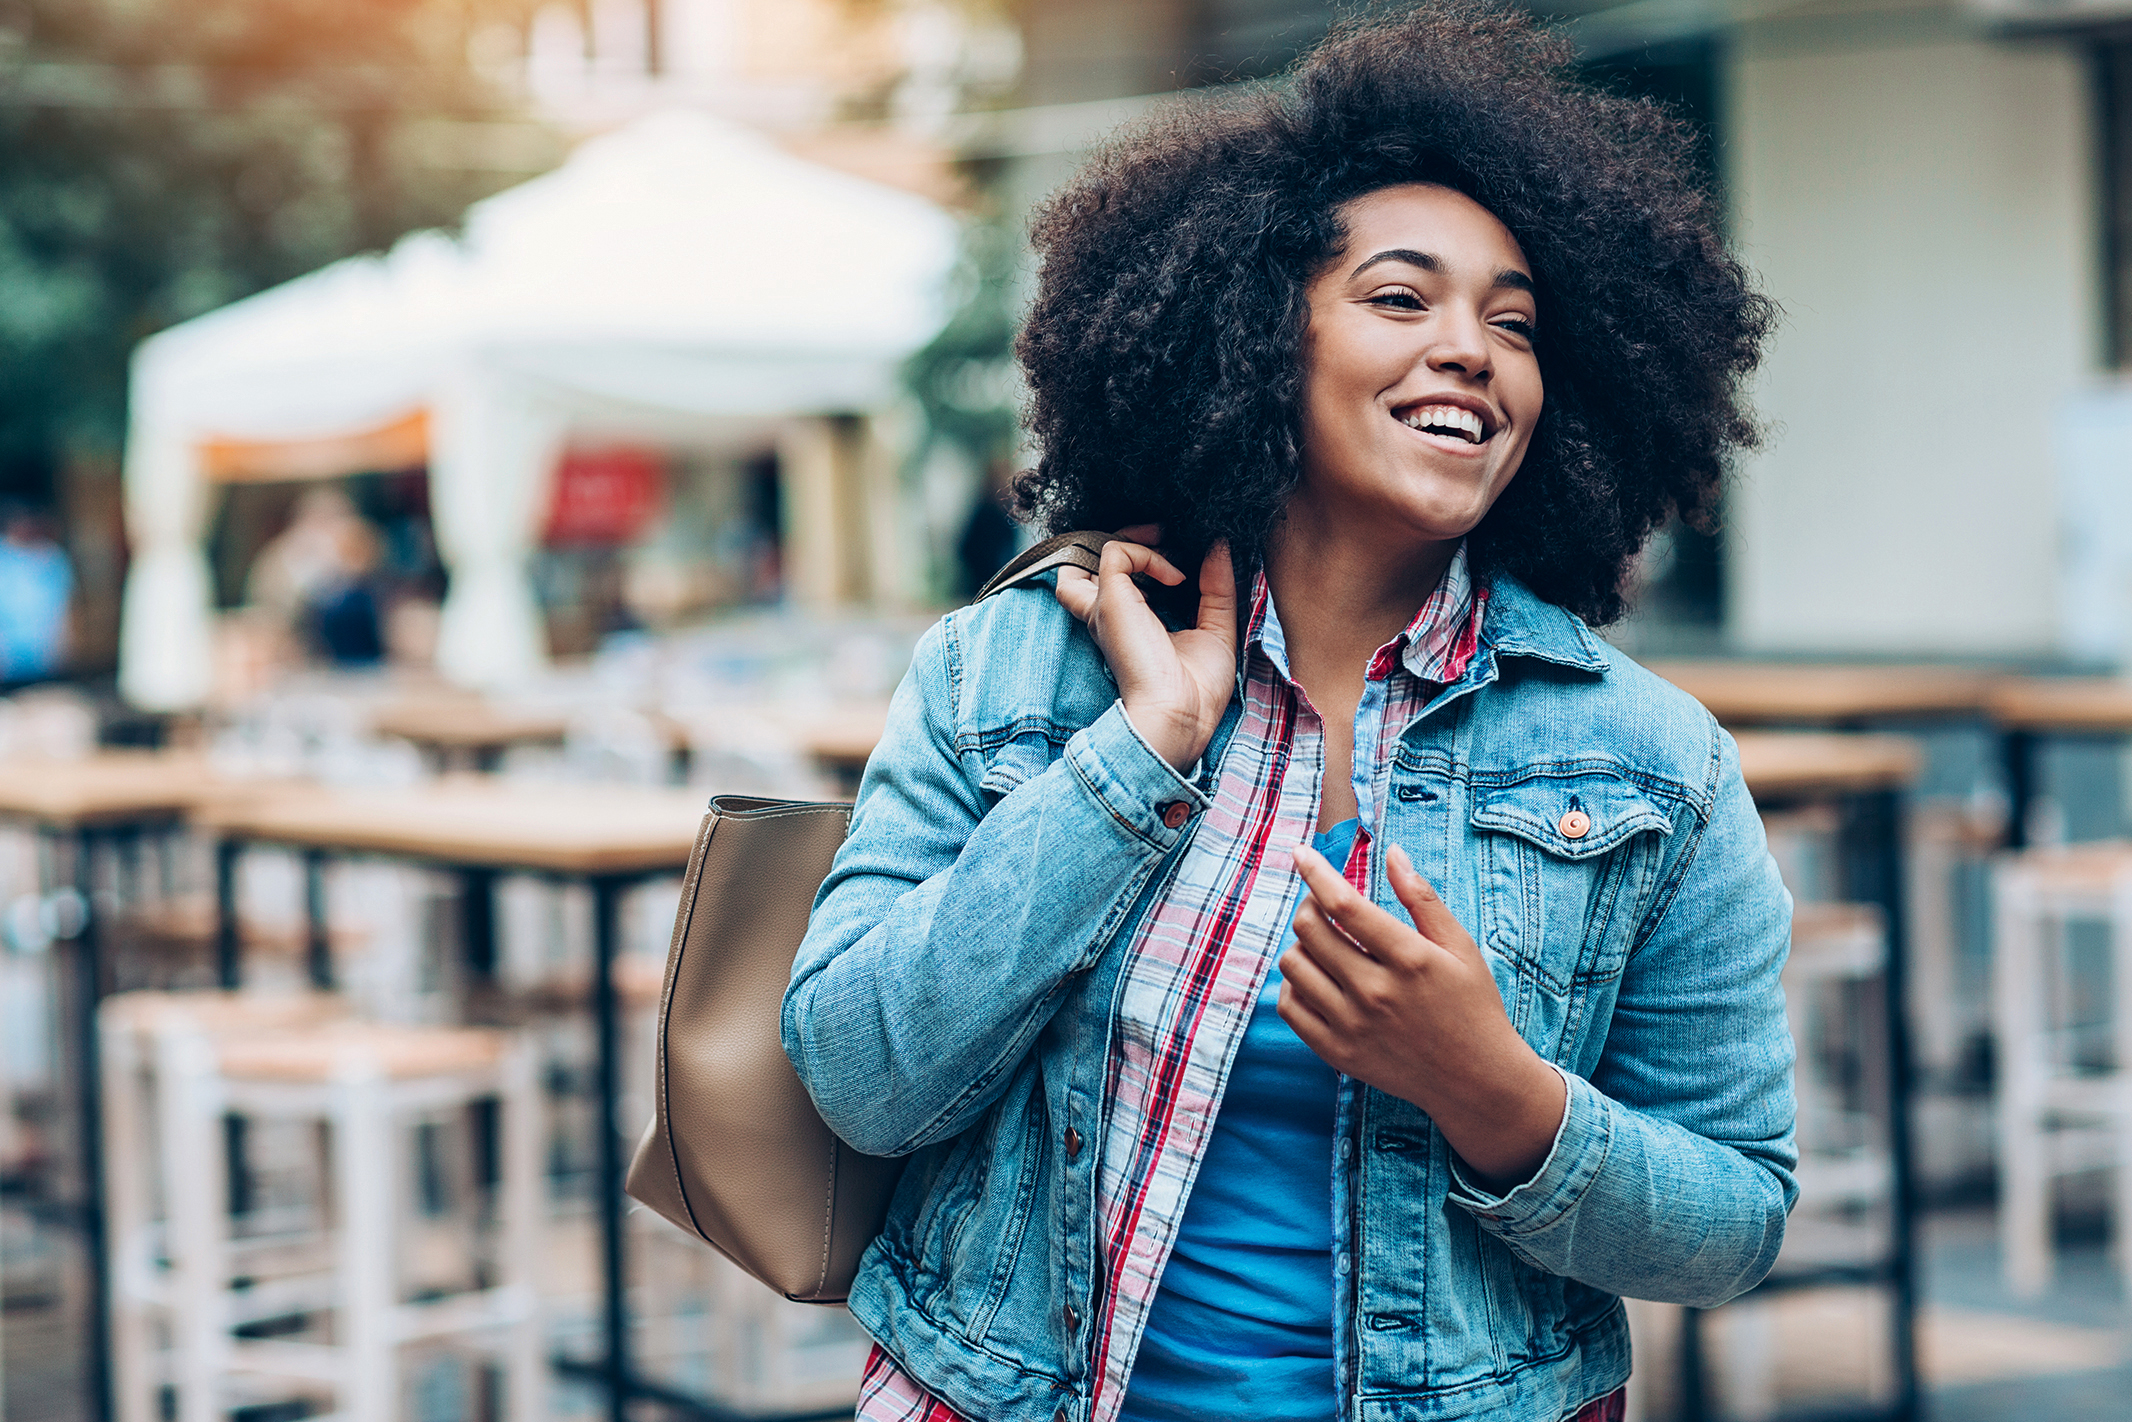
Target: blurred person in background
x,y
1157,940
36,589
318,577
990,535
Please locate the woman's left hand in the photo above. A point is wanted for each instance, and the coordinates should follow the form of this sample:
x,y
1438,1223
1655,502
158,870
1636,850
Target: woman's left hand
x,y
1415,1012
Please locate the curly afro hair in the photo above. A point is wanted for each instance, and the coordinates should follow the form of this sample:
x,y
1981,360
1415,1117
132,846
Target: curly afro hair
x,y
1164,350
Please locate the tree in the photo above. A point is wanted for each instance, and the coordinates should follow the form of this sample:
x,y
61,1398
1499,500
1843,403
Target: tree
x,y
158,160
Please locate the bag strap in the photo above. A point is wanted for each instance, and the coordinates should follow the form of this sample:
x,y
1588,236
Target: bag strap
x,y
1081,549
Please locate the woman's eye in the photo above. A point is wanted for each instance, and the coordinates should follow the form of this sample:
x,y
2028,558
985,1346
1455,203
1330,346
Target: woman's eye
x,y
1398,300
1517,326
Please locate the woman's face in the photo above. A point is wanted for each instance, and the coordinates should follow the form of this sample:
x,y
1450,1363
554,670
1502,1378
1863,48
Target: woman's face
x,y
1422,386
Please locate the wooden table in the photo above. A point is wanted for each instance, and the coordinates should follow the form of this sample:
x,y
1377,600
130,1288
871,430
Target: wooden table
x,y
1867,777
106,800
2030,709
1780,765
2074,705
472,733
469,732
608,837
842,740
1755,693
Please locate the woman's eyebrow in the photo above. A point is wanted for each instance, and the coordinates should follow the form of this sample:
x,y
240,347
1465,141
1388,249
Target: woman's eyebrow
x,y
1426,261
1509,277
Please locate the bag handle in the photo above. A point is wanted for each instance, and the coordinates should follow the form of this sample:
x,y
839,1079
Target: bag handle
x,y
1081,549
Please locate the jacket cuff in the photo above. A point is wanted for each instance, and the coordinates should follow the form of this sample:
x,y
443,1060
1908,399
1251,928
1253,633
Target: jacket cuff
x,y
1139,788
1554,1190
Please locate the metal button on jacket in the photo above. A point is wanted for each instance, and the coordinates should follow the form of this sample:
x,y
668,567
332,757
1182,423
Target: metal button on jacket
x,y
1073,1142
1175,813
1575,825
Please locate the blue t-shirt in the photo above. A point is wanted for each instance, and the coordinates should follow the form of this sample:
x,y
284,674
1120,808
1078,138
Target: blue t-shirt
x,y
35,583
1241,1326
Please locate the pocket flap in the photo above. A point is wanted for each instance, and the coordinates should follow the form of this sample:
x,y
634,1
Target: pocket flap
x,y
1544,809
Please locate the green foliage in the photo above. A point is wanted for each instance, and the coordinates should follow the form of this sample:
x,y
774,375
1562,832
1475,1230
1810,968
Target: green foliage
x,y
159,158
965,378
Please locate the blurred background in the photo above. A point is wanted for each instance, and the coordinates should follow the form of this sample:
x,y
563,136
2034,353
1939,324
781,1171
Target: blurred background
x,y
441,441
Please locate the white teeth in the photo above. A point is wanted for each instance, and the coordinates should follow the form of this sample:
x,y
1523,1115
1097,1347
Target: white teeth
x,y
1446,417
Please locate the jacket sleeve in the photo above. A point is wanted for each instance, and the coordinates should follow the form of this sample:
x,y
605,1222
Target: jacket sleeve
x,y
945,933
1670,1177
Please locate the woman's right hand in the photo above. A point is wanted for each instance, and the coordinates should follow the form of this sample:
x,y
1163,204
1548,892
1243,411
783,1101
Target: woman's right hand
x,y
1175,685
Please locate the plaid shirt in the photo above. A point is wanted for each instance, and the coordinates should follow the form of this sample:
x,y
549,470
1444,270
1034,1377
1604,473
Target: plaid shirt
x,y
1201,954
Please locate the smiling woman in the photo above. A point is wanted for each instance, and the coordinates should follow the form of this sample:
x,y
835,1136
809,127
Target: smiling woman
x,y
1165,347
1325,996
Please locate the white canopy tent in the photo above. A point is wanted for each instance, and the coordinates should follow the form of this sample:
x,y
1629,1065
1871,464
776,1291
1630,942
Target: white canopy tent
x,y
677,273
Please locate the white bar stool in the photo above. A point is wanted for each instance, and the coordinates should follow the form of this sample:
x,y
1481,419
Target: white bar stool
x,y
359,1081
2058,1115
135,1203
1843,1166
1842,1162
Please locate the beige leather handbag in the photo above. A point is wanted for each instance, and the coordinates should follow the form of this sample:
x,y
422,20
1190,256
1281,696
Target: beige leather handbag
x,y
736,1153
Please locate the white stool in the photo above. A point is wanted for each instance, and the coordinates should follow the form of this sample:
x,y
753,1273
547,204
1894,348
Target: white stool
x,y
2057,1116
135,1213
355,1079
1843,1162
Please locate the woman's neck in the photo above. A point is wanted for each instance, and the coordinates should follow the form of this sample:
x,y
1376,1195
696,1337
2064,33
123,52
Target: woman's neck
x,y
1341,597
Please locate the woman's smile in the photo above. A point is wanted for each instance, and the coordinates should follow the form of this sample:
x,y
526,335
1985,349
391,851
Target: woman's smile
x,y
1455,424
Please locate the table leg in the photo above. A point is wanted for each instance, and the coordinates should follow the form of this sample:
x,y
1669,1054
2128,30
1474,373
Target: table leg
x,y
1876,873
229,970
88,990
606,911
1694,1387
477,921
2018,752
128,844
318,945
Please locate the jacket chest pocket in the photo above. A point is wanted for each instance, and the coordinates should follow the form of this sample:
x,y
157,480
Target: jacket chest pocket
x,y
1568,861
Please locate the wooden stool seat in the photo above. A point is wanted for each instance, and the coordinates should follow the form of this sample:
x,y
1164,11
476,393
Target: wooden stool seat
x,y
342,1051
639,982
1837,940
192,920
216,1013
2078,878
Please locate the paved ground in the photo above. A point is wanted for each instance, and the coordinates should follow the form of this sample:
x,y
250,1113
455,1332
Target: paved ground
x,y
2073,1362
1989,1357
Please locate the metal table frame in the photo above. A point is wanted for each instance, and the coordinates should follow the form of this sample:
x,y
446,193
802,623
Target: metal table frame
x,y
613,1369
83,991
1872,862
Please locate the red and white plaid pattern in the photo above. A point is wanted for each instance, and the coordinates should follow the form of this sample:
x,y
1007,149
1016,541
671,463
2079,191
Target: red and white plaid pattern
x,y
1201,954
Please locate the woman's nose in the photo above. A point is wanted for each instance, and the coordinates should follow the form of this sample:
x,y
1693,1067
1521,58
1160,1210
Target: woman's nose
x,y
1460,346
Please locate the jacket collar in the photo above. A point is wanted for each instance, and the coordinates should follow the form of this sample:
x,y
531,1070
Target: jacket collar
x,y
1518,623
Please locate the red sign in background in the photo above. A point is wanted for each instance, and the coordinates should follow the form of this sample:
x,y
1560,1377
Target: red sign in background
x,y
606,495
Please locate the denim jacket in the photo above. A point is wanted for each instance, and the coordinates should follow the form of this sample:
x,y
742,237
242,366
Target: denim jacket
x,y
955,1001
